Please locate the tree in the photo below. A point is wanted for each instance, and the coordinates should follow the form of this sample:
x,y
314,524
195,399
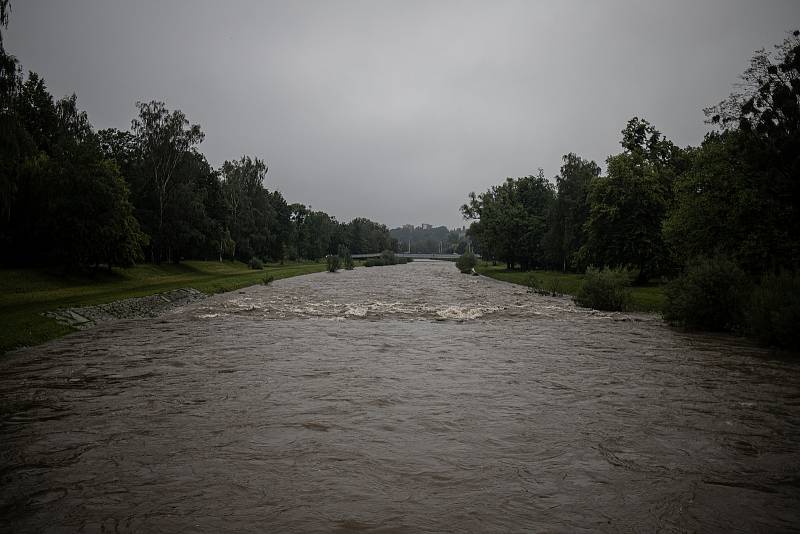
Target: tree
x,y
187,225
627,207
761,127
719,208
511,220
241,181
258,220
164,139
566,233
624,225
88,219
363,236
69,204
496,217
15,142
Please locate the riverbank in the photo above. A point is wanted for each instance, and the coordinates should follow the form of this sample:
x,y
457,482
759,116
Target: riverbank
x,y
25,294
649,298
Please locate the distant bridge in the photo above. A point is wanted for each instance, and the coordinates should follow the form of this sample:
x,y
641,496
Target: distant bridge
x,y
414,256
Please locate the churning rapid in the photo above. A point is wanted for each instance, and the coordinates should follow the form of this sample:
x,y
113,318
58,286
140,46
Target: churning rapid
x,y
408,398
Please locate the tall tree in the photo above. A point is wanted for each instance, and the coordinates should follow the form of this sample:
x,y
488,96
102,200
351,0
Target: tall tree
x,y
511,220
739,196
165,138
627,207
766,111
566,233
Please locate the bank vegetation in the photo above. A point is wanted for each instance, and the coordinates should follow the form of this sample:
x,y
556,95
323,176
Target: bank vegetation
x,y
718,223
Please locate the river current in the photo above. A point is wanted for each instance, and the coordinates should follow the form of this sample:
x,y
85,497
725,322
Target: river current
x,y
408,398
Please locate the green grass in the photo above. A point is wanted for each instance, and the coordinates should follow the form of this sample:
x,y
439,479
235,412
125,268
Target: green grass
x,y
26,293
647,298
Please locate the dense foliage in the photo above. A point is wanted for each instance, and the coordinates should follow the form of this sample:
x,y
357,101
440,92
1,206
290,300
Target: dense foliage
x,y
332,262
773,311
721,219
61,200
72,196
512,220
387,257
605,289
710,293
466,262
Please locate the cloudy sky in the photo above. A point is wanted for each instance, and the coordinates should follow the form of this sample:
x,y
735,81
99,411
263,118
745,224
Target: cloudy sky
x,y
396,110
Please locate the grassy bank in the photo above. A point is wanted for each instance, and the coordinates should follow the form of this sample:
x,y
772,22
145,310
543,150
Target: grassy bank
x,y
649,298
26,293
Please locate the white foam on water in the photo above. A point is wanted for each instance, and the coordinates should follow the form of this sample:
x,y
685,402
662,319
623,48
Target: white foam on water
x,y
462,313
356,311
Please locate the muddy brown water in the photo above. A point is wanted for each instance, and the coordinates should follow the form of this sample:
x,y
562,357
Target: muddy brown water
x,y
397,399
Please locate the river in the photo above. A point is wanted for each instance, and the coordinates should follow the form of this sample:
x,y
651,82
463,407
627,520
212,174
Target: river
x,y
408,398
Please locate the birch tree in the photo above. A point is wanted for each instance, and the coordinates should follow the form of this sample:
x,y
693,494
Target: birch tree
x,y
164,138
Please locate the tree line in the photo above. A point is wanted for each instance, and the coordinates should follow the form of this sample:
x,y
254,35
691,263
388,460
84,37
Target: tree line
x,y
720,219
77,197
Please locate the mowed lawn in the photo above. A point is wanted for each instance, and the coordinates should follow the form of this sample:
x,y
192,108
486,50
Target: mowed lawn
x,y
647,298
26,293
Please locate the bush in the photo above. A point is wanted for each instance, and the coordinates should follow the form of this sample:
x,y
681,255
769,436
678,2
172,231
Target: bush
x,y
402,261
333,263
255,264
466,262
710,294
607,289
268,279
346,258
388,257
773,312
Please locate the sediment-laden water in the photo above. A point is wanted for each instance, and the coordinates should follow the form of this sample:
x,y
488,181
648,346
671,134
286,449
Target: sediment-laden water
x,y
397,399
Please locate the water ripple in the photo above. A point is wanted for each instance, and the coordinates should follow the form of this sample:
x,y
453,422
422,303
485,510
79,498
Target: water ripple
x,y
397,399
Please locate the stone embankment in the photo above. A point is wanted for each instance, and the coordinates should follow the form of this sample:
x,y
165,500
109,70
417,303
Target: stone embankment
x,y
133,308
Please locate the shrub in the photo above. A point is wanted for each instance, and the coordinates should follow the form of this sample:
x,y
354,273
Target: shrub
x,y
466,262
346,258
388,257
268,279
333,262
409,260
709,294
402,261
373,262
607,289
255,264
773,312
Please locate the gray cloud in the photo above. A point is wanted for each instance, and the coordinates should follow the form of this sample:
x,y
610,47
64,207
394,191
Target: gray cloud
x,y
396,110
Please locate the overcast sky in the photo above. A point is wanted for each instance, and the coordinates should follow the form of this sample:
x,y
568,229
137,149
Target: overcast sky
x,y
396,110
